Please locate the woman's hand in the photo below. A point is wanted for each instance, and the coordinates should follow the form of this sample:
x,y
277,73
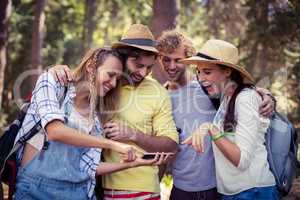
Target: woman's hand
x,y
127,152
196,139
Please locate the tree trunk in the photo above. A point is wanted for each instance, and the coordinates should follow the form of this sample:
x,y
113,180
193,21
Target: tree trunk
x,y
5,11
37,37
165,17
260,53
89,24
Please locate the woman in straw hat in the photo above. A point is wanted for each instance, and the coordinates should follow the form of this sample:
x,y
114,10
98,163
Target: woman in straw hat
x,y
238,130
71,119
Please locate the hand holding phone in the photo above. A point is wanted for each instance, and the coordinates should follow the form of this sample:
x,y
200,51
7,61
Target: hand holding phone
x,y
158,158
149,156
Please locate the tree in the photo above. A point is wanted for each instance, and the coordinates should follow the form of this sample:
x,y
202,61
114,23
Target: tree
x,y
5,11
260,50
89,24
165,17
37,37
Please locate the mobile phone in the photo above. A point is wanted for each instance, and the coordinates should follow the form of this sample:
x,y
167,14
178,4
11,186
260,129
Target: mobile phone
x,y
148,156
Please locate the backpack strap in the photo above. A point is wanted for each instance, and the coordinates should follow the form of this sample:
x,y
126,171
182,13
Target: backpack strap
x,y
37,127
32,132
22,141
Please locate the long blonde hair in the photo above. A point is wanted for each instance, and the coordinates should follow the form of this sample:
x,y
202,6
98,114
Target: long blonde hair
x,y
105,108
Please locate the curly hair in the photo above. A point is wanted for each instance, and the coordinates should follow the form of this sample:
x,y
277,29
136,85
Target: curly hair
x,y
171,40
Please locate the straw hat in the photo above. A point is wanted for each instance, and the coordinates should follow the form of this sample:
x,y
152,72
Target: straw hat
x,y
220,52
138,36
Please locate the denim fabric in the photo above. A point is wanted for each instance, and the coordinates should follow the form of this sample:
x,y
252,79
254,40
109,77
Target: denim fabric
x,y
258,193
33,187
60,161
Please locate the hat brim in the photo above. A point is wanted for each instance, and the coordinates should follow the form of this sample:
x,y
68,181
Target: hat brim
x,y
196,60
123,44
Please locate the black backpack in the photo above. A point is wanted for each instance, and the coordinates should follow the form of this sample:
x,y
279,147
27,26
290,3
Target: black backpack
x,y
8,165
7,148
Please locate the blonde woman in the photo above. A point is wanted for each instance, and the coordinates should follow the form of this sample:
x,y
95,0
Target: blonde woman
x,y
70,119
238,130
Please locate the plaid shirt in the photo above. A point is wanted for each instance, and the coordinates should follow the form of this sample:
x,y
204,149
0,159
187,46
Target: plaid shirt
x,y
46,106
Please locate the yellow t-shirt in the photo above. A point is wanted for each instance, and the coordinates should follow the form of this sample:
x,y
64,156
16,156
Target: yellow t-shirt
x,y
146,108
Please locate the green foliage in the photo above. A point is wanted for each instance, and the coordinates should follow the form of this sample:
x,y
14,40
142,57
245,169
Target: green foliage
x,y
63,34
193,21
64,28
115,16
275,26
18,56
250,24
167,180
19,38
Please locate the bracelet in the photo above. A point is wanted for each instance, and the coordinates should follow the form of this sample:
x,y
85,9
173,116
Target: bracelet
x,y
217,136
220,135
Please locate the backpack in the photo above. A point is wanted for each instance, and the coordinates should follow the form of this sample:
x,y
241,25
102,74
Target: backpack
x,y
282,146
8,150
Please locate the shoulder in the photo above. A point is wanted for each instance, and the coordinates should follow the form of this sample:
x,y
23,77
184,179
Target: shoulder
x,y
46,83
248,95
247,106
149,80
248,100
46,78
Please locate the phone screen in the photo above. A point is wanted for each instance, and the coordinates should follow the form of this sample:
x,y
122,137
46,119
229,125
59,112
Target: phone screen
x,y
148,156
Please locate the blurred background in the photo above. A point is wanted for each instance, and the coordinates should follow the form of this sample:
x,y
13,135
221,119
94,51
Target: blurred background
x,y
37,33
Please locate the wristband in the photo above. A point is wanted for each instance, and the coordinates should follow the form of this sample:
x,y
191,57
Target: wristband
x,y
220,135
217,136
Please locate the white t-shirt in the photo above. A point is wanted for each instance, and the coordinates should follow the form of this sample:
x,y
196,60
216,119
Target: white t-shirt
x,y
249,136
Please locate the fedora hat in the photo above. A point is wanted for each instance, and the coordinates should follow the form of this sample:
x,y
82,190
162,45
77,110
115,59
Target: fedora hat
x,y
220,52
138,36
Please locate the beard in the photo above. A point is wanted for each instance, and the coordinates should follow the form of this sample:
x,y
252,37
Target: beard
x,y
131,78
